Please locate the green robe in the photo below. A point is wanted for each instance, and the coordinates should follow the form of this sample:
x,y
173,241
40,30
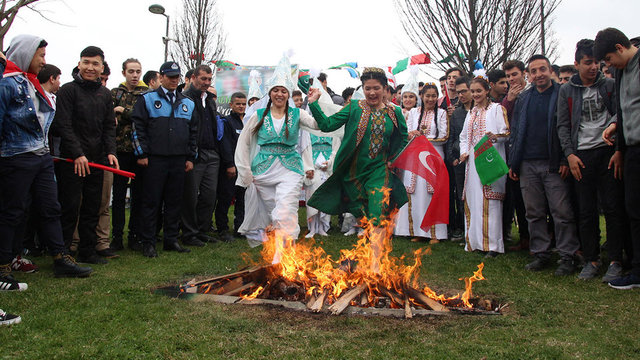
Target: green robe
x,y
371,139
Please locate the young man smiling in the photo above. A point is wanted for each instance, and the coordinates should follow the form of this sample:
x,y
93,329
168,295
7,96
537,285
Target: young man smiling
x,y
86,125
612,46
585,109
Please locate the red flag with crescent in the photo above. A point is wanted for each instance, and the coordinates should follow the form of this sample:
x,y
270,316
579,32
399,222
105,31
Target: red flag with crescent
x,y
421,158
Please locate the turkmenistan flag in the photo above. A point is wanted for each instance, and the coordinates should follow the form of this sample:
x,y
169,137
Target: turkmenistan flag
x,y
489,164
303,80
403,64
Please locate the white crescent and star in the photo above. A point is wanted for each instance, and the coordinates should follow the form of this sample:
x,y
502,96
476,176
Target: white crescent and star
x,y
423,160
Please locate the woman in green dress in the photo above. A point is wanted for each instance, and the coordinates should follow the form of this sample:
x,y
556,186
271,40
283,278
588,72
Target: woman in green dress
x,y
375,133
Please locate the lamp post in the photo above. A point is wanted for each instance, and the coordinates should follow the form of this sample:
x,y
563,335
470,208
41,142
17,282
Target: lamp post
x,y
159,9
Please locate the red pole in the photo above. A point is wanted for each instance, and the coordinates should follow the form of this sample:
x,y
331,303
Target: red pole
x,y
102,167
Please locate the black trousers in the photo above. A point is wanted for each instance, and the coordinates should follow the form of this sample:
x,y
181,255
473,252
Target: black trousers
x,y
631,179
20,175
163,182
80,198
227,190
457,175
127,162
598,182
513,203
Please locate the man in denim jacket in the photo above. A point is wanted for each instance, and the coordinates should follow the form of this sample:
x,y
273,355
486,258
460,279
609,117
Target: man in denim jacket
x,y
25,163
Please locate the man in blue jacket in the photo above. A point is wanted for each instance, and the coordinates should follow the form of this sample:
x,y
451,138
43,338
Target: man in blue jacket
x,y
536,160
166,135
25,163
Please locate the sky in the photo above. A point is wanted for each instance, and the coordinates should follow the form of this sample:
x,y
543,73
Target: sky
x,y
321,33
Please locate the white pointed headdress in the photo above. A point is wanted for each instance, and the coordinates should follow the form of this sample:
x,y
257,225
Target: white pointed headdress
x,y
282,75
255,80
412,85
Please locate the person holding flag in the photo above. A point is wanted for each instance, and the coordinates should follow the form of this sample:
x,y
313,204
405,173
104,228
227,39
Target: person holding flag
x,y
431,122
486,126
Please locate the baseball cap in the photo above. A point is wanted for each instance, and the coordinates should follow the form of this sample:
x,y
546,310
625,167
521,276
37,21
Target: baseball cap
x,y
170,68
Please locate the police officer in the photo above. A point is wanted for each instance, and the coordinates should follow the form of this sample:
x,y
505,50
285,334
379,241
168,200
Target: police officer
x,y
166,131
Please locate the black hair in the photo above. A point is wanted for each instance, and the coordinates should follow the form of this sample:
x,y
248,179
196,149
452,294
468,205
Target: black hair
x,y
399,88
267,110
443,78
424,109
348,92
463,80
296,93
568,68
129,61
584,48
238,95
374,74
606,42
556,69
450,70
495,75
510,64
42,44
421,83
150,75
91,51
48,71
107,69
322,77
538,57
189,73
201,69
635,41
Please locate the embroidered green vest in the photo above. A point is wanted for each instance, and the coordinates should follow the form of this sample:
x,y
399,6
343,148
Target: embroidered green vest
x,y
275,145
320,145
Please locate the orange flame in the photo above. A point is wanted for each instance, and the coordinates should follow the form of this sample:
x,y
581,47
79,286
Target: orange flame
x,y
254,294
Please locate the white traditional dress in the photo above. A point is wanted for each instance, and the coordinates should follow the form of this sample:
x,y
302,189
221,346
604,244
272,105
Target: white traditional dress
x,y
419,192
483,203
323,153
272,167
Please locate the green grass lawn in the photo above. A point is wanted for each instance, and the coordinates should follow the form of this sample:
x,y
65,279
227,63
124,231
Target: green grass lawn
x,y
114,315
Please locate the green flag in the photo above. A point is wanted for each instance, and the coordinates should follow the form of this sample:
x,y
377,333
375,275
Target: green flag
x,y
489,164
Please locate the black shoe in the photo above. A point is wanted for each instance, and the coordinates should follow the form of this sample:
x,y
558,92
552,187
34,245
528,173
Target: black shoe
x,y
538,264
116,244
175,247
192,241
237,235
134,243
7,282
491,254
566,267
149,251
107,253
92,259
226,237
206,238
66,266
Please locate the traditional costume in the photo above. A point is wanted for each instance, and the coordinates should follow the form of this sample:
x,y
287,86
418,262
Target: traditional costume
x,y
323,155
483,203
436,129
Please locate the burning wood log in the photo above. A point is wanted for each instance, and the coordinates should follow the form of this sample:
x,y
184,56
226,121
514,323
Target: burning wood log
x,y
423,299
407,309
243,273
231,285
364,299
395,297
317,305
345,299
237,291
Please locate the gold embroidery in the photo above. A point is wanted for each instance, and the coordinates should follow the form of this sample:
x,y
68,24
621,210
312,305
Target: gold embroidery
x,y
485,224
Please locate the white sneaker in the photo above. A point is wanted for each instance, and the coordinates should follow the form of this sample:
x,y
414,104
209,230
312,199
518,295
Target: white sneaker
x,y
310,235
9,319
351,231
322,233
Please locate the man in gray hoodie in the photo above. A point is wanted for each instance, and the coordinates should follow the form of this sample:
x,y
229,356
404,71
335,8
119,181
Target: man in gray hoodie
x,y
586,106
25,163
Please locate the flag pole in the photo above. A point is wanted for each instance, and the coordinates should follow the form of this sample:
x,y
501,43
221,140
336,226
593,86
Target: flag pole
x,y
102,167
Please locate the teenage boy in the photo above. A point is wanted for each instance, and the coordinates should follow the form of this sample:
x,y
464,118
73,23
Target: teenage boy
x,y
498,85
536,160
585,109
612,46
86,125
26,165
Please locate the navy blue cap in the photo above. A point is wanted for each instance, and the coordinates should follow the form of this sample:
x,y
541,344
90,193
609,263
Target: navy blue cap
x,y
170,68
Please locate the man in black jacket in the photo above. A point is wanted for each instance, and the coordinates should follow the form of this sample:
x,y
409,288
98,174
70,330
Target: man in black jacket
x,y
227,188
86,124
165,143
199,199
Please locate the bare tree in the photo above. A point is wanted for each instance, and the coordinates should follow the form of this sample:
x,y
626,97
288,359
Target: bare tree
x,y
8,12
464,31
199,34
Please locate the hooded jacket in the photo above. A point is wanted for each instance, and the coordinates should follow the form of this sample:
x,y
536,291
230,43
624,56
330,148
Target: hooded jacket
x,y
20,129
570,108
85,120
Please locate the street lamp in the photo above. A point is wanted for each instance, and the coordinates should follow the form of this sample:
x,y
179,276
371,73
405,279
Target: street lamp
x,y
159,9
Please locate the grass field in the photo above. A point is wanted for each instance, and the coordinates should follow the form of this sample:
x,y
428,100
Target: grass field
x,y
114,315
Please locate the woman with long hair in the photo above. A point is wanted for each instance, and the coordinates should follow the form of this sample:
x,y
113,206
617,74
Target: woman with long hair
x,y
430,121
374,134
483,203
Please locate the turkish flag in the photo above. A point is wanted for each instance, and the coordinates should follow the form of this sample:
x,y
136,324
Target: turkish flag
x,y
422,159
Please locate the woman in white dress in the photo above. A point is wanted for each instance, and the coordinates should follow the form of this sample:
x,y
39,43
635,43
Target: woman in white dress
x,y
483,203
430,121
